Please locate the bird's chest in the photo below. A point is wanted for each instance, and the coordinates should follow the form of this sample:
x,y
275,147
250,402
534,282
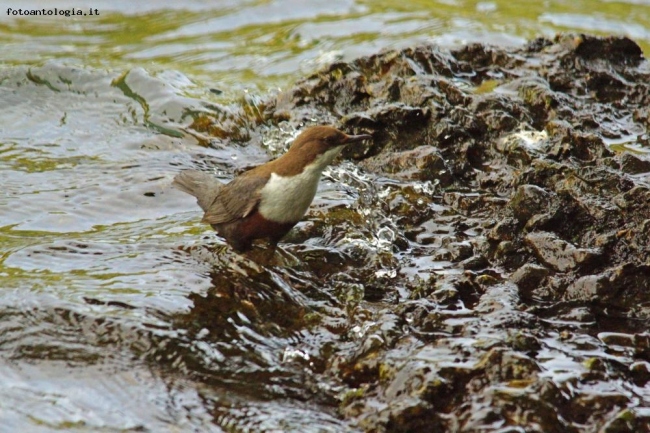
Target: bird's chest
x,y
287,198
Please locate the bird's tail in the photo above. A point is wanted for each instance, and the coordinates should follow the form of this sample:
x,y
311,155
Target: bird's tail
x,y
199,184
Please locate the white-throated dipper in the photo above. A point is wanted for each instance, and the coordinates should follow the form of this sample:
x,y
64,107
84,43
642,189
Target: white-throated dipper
x,y
267,201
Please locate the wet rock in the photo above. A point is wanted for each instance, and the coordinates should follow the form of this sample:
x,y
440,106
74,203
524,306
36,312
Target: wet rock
x,y
588,287
459,250
633,241
501,365
510,255
613,49
559,254
528,278
422,163
640,372
497,113
578,314
633,164
642,346
616,338
529,200
625,286
506,230
408,121
475,263
409,201
635,201
522,147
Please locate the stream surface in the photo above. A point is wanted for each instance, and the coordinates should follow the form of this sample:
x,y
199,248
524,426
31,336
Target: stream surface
x,y
120,312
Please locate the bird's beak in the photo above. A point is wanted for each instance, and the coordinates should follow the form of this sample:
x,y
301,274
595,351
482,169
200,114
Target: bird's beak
x,y
355,138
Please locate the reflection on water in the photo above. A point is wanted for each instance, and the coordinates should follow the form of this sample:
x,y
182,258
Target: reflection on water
x,y
120,312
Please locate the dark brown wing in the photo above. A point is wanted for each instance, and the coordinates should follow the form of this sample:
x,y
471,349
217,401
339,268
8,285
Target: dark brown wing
x,y
237,199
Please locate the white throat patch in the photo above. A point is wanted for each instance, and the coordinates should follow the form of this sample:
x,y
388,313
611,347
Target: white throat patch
x,y
285,199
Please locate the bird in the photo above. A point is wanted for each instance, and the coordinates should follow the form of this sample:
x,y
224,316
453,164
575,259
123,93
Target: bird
x,y
268,200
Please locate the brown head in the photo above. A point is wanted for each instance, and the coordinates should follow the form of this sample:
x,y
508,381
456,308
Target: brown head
x,y
319,139
321,143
